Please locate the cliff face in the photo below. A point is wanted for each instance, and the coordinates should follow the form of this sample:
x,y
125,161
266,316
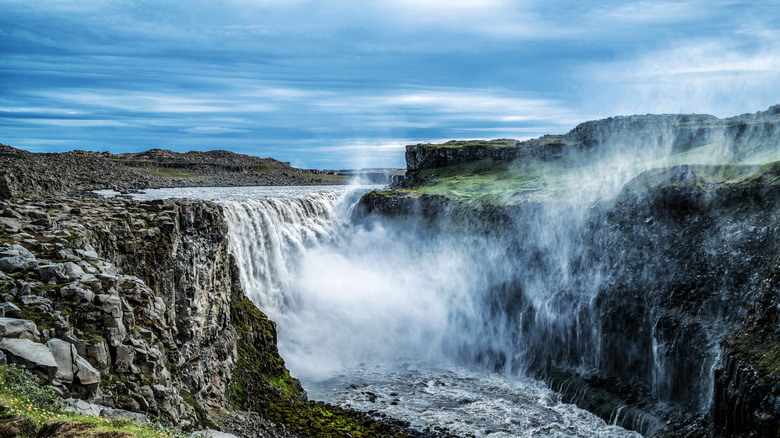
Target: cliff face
x,y
681,131
631,303
147,293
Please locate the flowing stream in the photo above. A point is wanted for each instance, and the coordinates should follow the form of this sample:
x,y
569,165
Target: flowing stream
x,y
381,318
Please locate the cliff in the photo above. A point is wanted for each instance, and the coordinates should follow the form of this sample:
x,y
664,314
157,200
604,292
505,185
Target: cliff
x,y
650,304
137,307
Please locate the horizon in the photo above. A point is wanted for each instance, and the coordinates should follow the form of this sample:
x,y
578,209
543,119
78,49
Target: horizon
x,y
347,85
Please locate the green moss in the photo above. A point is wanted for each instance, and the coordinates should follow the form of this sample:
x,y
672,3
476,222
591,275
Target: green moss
x,y
203,419
261,383
490,144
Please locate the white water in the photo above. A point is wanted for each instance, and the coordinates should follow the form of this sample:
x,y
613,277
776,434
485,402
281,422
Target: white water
x,y
363,310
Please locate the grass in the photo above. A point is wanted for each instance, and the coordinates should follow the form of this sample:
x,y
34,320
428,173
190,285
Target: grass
x,y
493,144
23,397
584,176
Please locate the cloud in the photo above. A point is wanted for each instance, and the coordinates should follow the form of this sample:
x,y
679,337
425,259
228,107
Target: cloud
x,y
723,76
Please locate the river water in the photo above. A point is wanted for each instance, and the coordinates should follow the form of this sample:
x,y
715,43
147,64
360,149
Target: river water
x,y
371,319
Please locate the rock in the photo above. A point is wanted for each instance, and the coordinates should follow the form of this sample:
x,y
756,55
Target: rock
x,y
14,264
31,355
85,373
68,271
65,355
121,414
97,355
9,310
3,359
19,329
125,355
32,300
82,407
74,291
211,433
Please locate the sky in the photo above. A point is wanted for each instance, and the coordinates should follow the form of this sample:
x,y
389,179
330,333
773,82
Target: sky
x,y
338,84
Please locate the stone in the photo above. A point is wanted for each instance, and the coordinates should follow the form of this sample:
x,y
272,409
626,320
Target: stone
x,y
31,355
74,291
9,310
125,355
32,300
97,355
89,255
14,264
121,414
211,433
85,373
67,271
19,329
3,359
64,354
82,407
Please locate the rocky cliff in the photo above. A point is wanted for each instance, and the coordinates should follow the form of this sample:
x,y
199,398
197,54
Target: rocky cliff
x,y
652,307
136,308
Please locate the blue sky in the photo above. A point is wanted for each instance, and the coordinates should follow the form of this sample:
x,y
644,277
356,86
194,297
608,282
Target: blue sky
x,y
348,83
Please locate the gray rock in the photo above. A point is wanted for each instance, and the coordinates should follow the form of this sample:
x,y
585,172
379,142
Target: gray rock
x,y
85,373
68,271
32,300
82,407
65,355
125,355
3,359
98,356
89,255
211,433
9,310
121,414
14,264
19,329
31,355
74,291
24,252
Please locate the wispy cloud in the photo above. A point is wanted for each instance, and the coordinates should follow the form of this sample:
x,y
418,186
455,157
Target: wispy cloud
x,y
719,76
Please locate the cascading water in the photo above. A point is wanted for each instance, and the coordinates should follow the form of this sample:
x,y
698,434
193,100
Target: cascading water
x,y
384,314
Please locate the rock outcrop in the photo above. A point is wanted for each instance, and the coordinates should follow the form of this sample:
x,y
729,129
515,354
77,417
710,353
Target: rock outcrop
x,y
160,342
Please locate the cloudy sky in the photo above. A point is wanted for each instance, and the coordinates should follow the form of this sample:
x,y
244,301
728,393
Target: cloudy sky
x,y
348,83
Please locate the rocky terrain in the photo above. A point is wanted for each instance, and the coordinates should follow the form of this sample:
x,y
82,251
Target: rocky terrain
x,y
26,172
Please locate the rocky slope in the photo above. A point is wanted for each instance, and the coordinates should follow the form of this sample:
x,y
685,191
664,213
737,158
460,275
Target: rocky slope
x,y
26,172
652,288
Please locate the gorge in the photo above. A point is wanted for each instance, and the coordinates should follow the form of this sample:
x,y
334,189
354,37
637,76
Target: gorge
x,y
627,267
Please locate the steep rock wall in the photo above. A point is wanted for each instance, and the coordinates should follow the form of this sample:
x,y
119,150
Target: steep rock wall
x,y
658,278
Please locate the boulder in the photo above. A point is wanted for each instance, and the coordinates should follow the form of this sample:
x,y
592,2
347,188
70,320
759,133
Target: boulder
x,y
19,329
31,355
14,264
9,310
121,414
67,271
211,433
3,359
86,374
65,355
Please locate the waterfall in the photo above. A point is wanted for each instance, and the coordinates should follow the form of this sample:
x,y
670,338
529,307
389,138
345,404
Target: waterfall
x,y
269,236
